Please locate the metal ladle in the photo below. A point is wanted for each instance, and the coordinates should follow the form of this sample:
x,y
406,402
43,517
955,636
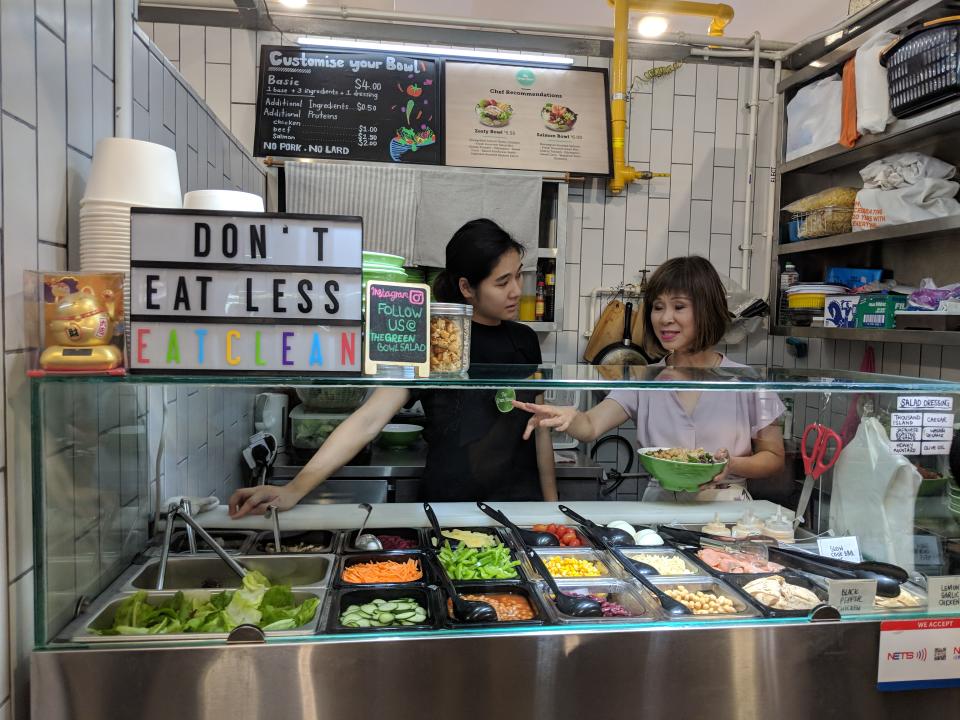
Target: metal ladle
x,y
468,611
572,605
273,513
366,541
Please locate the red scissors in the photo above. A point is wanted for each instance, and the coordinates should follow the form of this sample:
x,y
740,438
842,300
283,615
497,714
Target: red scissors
x,y
817,459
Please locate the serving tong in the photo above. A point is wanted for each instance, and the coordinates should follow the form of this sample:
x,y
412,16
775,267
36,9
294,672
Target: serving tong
x,y
888,576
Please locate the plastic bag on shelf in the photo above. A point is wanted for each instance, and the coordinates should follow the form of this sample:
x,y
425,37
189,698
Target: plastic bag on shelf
x,y
873,94
814,117
874,492
836,197
895,171
925,199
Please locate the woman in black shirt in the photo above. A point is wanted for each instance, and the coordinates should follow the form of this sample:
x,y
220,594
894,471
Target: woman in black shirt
x,y
475,452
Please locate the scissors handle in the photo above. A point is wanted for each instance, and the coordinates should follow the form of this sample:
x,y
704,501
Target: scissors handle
x,y
821,456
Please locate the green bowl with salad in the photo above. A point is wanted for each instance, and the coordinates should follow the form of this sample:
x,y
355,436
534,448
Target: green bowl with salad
x,y
679,469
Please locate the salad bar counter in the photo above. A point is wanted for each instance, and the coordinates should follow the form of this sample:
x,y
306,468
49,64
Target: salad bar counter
x,y
540,627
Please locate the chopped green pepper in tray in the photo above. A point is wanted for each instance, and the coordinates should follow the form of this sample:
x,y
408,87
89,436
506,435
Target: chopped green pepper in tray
x,y
270,607
466,563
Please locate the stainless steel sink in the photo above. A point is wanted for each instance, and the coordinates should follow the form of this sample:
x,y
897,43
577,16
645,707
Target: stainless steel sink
x,y
184,573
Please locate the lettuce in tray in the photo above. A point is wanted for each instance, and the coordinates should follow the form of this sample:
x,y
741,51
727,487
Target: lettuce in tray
x,y
270,607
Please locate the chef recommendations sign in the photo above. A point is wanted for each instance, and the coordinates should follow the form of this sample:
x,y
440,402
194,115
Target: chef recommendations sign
x,y
347,106
527,118
245,292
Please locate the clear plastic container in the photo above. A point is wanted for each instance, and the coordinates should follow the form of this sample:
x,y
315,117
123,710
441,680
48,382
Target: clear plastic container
x,y
309,430
450,338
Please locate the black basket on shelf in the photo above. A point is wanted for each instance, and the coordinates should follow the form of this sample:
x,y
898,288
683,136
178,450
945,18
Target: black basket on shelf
x,y
923,67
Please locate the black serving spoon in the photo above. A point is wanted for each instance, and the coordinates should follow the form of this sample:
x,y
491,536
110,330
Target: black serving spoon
x,y
597,532
670,606
467,611
886,586
432,517
530,538
572,605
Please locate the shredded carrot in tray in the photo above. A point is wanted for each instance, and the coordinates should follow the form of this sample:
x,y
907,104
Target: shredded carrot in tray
x,y
383,572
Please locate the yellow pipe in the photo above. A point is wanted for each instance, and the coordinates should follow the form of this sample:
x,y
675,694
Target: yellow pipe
x,y
624,174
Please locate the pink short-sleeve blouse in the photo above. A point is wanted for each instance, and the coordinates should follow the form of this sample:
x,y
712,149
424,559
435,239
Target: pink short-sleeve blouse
x,y
720,419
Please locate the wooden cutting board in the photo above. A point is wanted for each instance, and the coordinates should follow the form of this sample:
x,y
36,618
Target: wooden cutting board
x,y
609,328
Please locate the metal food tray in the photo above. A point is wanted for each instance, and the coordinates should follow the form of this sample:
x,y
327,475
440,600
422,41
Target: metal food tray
x,y
696,568
298,571
630,596
523,573
393,555
744,608
103,619
609,568
326,540
240,542
362,594
491,586
408,533
691,553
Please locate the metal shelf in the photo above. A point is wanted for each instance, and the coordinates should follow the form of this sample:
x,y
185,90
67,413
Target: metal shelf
x,y
920,230
914,133
919,337
542,326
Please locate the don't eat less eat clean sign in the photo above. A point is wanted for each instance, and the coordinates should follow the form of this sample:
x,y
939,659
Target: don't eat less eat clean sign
x,y
231,292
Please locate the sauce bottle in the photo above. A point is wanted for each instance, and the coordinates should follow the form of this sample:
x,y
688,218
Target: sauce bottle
x,y
541,301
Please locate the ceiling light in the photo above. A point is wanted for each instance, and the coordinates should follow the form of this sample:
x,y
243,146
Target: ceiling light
x,y
431,50
294,3
652,26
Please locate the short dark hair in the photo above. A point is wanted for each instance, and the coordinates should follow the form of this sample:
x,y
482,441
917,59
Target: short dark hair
x,y
472,253
696,278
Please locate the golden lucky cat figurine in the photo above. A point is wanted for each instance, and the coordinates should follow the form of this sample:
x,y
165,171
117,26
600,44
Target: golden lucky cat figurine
x,y
80,332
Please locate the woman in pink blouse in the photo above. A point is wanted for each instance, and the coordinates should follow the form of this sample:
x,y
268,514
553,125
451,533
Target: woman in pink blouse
x,y
686,318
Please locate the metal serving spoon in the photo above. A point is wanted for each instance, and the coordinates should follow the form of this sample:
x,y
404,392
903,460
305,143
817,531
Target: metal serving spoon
x,y
532,538
599,533
573,605
366,541
468,611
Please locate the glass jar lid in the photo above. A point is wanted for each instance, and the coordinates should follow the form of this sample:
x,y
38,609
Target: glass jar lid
x,y
451,309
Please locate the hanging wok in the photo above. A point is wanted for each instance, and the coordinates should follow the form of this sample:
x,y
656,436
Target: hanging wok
x,y
624,351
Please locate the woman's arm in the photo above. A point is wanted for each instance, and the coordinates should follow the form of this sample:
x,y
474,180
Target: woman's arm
x,y
344,443
585,427
545,463
767,459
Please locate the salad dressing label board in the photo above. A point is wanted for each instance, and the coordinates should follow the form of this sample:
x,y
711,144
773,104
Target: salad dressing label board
x,y
527,118
347,106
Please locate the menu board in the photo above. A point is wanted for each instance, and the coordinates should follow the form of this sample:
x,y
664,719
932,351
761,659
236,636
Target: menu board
x,y
397,326
347,106
216,292
527,118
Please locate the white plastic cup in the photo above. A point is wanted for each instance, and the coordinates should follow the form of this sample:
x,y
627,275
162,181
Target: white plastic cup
x,y
136,172
226,200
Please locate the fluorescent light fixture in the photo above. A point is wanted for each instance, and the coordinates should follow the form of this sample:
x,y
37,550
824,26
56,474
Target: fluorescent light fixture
x,y
343,44
831,39
294,3
652,26
818,64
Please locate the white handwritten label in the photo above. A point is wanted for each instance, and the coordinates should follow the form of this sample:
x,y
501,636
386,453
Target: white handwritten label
x,y
906,448
906,434
935,448
937,433
925,402
840,548
926,550
852,596
944,420
906,419
943,593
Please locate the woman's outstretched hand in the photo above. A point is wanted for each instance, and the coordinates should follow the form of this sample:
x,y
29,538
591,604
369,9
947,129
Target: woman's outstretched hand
x,y
554,417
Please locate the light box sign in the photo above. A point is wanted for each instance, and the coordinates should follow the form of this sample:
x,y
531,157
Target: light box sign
x,y
225,292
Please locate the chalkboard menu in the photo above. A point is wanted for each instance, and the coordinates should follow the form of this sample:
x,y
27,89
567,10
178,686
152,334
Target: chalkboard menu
x,y
347,106
397,324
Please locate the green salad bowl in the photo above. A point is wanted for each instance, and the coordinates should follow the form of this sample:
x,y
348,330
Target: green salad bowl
x,y
397,436
678,476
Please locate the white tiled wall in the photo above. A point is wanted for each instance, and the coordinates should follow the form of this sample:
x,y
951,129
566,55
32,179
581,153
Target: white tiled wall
x,y
56,101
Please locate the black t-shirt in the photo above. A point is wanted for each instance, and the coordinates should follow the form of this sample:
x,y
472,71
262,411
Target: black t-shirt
x,y
475,452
